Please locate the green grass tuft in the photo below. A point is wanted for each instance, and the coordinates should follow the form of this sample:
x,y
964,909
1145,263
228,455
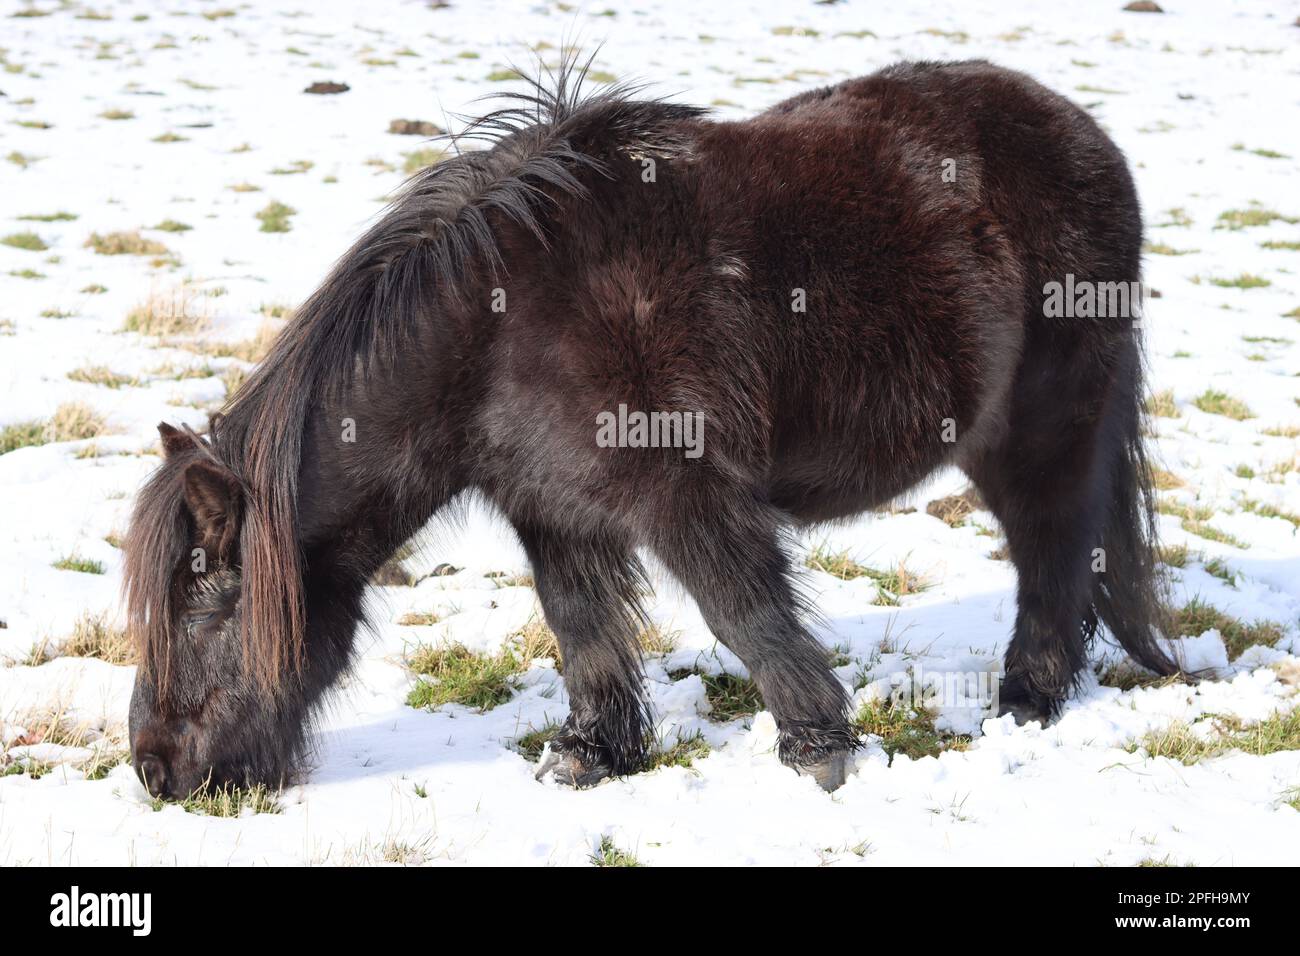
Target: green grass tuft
x,y
1197,616
1270,511
229,802
296,168
607,854
1173,555
275,217
1177,217
1162,404
1220,569
1243,281
71,421
655,640
1164,249
1126,676
21,160
683,753
1180,741
102,375
1195,520
25,240
1215,402
730,696
21,435
456,675
27,767
1256,215
125,244
419,159
1281,431
102,763
49,217
75,562
1259,151
906,730
891,585
170,313
532,743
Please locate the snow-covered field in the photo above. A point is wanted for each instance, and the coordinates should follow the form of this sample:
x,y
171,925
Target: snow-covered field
x,y
133,115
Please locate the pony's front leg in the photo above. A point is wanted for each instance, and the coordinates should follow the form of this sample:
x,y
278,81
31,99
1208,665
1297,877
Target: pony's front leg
x,y
723,545
588,585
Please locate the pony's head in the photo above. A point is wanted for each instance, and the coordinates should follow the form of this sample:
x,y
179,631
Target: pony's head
x,y
218,699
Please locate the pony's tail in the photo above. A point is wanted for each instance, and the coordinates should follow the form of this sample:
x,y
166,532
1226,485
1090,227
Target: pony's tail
x,y
1130,596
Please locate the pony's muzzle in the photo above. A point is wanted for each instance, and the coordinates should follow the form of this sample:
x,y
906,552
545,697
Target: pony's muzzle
x,y
153,774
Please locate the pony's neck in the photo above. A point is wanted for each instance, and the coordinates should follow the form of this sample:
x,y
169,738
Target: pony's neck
x,y
351,519
373,469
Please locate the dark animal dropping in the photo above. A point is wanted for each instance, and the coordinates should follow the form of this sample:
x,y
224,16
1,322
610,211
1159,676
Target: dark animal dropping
x,y
404,127
325,87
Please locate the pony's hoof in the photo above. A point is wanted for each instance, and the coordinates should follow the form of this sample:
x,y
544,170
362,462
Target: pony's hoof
x,y
830,772
568,771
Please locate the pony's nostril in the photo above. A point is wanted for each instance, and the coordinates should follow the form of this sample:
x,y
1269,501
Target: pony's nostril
x,y
153,773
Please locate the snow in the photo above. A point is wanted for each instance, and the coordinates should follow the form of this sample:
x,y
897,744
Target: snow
x,y
1178,91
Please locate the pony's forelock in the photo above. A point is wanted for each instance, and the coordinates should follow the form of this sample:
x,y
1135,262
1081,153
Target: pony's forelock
x,y
154,547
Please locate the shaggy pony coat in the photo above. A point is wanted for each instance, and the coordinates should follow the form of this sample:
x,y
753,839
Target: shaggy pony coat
x,y
848,290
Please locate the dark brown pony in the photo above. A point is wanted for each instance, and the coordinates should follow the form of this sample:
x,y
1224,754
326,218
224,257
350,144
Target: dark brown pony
x,y
847,292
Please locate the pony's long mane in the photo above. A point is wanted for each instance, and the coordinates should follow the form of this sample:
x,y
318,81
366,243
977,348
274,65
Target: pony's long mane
x,y
441,224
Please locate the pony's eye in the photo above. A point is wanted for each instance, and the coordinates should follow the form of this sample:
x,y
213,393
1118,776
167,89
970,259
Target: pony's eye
x,y
194,621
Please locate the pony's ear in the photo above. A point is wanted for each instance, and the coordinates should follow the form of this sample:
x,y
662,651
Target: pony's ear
x,y
173,439
214,499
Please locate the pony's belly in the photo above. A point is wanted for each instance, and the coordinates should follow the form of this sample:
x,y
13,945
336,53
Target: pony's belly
x,y
824,481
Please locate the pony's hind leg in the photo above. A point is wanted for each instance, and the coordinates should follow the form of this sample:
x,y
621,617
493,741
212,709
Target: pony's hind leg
x,y
1050,525
588,585
1054,619
1067,483
725,550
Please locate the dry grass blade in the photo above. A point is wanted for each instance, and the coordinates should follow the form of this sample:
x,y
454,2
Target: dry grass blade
x,y
167,313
